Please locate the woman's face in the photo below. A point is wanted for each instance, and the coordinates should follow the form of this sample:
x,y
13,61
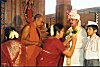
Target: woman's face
x,y
61,33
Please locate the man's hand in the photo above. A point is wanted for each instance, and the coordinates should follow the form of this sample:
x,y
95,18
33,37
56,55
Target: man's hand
x,y
39,44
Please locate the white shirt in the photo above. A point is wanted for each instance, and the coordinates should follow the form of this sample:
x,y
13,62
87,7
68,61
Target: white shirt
x,y
92,48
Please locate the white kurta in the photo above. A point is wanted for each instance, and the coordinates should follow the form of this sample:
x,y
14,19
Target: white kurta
x,y
92,48
77,58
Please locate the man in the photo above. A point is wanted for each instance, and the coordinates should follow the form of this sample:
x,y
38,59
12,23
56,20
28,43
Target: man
x,y
31,36
77,58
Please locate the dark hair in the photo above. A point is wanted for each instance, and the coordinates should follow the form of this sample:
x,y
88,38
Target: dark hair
x,y
95,27
57,27
27,3
37,16
7,32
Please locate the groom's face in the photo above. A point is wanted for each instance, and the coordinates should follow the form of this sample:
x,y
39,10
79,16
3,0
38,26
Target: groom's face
x,y
73,22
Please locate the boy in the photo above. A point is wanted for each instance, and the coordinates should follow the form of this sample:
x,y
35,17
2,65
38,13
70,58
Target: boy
x,y
92,48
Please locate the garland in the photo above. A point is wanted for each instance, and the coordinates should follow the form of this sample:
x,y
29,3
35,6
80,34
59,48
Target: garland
x,y
70,32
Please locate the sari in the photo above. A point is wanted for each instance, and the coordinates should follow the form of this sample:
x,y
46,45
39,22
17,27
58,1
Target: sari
x,y
13,53
52,53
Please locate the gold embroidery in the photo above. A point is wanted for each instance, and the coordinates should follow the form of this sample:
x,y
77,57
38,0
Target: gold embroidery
x,y
15,51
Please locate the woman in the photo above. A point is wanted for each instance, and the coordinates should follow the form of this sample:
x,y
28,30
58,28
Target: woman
x,y
13,51
53,48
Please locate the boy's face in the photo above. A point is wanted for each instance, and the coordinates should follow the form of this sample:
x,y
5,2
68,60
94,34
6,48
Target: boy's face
x,y
90,31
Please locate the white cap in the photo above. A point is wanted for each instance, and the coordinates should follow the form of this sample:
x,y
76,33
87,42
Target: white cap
x,y
92,23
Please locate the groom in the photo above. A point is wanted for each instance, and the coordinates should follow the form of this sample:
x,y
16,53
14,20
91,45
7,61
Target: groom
x,y
77,58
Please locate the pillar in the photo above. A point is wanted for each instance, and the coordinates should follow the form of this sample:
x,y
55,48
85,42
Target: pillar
x,y
8,13
63,7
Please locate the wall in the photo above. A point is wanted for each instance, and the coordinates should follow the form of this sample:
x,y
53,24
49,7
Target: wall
x,y
63,8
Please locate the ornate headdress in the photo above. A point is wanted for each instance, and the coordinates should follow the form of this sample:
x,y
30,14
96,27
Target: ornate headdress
x,y
75,15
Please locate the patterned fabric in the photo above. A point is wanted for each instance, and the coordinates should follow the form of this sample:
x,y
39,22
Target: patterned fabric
x,y
14,52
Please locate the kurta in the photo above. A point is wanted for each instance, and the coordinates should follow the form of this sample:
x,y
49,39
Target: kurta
x,y
51,53
33,50
92,48
77,58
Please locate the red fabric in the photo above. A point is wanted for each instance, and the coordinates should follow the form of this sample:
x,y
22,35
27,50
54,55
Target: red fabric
x,y
29,15
55,47
33,50
23,58
61,60
6,56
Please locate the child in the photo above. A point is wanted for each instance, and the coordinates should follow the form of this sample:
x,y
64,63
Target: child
x,y
92,48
